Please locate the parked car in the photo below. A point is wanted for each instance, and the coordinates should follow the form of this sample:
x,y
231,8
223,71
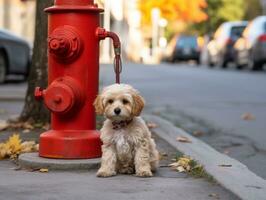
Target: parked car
x,y
251,47
220,48
183,48
14,55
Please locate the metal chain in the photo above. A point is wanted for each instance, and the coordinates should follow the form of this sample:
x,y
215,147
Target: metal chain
x,y
117,68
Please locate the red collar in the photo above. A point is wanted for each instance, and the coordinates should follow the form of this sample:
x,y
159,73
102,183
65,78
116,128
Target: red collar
x,y
121,124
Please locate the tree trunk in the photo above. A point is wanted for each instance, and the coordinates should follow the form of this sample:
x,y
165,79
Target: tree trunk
x,y
33,110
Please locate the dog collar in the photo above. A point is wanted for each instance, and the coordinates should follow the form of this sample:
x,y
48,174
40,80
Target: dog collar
x,y
121,124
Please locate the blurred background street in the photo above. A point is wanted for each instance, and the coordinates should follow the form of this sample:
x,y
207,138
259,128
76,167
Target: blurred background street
x,y
199,64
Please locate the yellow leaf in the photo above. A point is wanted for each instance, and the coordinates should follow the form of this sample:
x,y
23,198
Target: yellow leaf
x,y
3,125
13,147
14,144
247,116
44,170
183,139
180,169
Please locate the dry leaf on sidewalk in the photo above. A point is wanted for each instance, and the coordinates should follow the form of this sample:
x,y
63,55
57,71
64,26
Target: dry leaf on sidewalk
x,y
3,125
44,170
21,125
226,151
198,133
225,165
247,116
181,165
216,196
13,147
26,131
183,139
151,125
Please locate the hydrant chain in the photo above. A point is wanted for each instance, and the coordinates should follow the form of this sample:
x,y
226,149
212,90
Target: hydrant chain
x,y
102,34
117,68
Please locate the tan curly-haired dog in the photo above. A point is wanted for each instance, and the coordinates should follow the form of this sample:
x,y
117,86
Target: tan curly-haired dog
x,y
127,144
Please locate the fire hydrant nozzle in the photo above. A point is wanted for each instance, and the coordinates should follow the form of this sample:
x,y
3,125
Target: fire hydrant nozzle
x,y
102,34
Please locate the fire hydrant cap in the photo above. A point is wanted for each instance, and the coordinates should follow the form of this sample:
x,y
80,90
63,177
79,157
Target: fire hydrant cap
x,y
59,98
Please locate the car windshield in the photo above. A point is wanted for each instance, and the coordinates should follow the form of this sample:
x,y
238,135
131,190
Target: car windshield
x,y
236,31
187,42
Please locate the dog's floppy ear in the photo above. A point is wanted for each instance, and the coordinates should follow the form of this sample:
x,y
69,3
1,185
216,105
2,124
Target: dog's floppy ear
x,y
139,103
98,105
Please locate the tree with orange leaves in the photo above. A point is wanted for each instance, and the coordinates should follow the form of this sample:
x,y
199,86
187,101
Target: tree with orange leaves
x,y
172,10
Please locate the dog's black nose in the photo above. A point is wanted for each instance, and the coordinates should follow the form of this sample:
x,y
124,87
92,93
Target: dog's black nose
x,y
117,111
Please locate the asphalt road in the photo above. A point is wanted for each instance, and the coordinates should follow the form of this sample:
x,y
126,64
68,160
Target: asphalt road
x,y
208,101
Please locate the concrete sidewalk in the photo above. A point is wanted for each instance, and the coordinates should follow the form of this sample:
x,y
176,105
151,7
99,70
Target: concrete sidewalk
x,y
166,184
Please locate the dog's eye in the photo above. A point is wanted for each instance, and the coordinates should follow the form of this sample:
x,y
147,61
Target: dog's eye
x,y
125,101
110,101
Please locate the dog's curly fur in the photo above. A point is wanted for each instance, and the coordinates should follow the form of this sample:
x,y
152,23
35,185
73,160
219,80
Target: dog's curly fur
x,y
128,149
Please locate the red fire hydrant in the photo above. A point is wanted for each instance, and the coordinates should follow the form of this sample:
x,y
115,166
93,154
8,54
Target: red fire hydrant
x,y
73,79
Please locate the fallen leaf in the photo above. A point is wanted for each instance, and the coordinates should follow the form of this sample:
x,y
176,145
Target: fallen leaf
x,y
225,165
197,133
44,170
26,131
216,196
181,165
46,126
32,169
19,125
16,168
3,125
13,147
28,146
14,144
38,125
180,169
226,151
151,125
36,148
183,139
163,154
247,116
27,125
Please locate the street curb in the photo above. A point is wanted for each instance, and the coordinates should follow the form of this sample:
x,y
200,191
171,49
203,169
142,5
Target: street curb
x,y
33,161
12,98
230,173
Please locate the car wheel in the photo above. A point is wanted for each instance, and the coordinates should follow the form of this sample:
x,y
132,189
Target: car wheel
x,y
2,67
254,65
198,62
209,63
238,66
221,62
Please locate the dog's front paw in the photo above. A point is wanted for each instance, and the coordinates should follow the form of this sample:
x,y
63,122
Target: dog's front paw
x,y
146,173
105,173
